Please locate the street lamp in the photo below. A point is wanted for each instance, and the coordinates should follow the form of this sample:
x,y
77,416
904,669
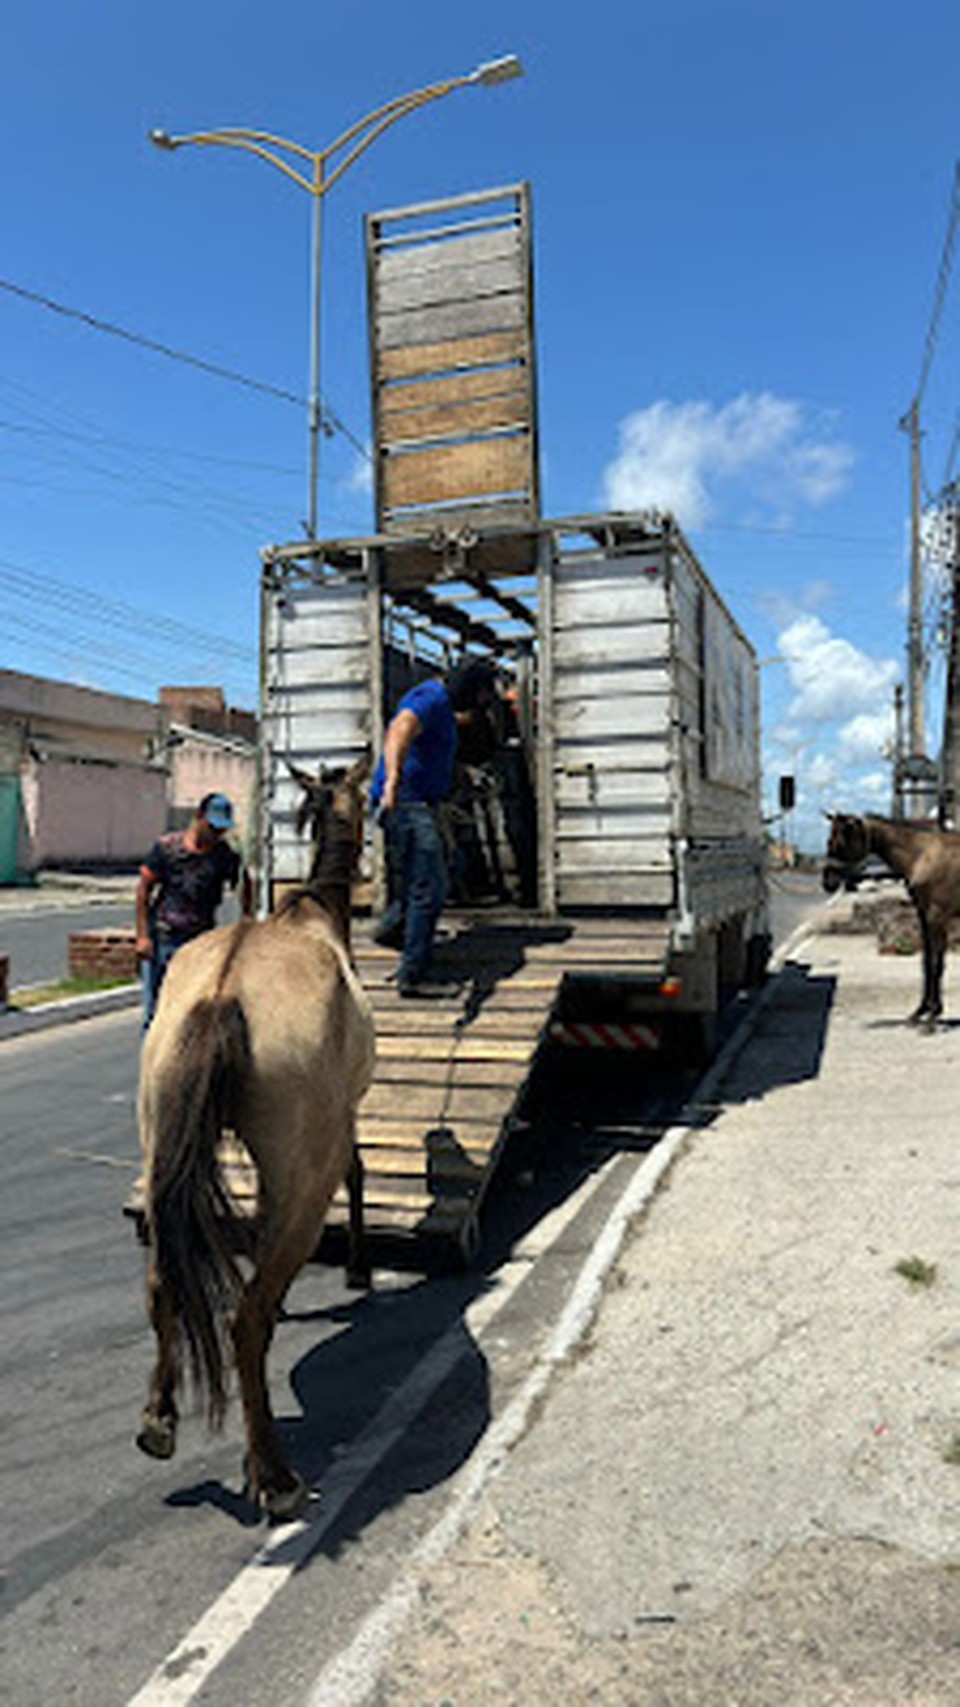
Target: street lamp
x,y
320,178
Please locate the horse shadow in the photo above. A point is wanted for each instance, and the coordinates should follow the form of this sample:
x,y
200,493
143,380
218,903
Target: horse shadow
x,y
394,1379
360,1369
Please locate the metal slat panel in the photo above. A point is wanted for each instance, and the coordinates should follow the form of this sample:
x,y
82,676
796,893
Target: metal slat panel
x,y
630,642
611,702
317,701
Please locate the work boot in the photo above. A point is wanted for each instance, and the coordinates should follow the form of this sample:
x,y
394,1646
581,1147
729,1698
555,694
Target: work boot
x,y
427,989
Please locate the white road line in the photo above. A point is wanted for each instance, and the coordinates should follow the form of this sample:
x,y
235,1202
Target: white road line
x,y
179,1677
350,1676
349,1679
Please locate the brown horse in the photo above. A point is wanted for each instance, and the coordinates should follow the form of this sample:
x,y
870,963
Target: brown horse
x,y
262,1029
928,860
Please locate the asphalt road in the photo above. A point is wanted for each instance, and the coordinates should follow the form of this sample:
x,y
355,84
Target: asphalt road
x,y
109,1557
36,940
36,943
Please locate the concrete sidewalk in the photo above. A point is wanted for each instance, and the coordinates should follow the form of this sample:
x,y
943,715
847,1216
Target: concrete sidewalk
x,y
741,1490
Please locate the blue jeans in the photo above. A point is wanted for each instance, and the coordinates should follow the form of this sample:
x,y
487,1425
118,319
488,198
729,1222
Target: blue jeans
x,y
417,868
153,971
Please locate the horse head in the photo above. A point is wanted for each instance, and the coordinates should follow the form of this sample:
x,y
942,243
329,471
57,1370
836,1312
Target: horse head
x,y
847,848
331,807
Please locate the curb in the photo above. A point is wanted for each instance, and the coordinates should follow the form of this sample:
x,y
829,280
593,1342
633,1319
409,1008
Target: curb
x,y
18,1022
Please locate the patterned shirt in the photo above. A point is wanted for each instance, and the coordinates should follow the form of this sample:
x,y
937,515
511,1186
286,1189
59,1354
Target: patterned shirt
x,y
191,882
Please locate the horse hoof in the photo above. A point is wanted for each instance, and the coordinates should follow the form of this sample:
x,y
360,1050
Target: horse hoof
x,y
157,1436
284,1504
359,1279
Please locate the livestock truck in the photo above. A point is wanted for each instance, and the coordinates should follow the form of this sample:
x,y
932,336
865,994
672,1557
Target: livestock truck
x,y
608,856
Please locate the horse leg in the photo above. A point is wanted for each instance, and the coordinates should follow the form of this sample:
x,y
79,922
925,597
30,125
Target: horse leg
x,y
359,1274
157,1434
922,1012
936,956
934,940
269,1477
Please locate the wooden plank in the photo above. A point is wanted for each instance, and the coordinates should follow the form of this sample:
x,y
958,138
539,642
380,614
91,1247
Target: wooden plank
x,y
461,279
447,355
453,388
458,471
455,420
423,1105
479,317
443,1076
452,1048
462,252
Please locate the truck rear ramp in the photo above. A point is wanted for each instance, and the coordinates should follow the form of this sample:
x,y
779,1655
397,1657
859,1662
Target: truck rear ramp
x,y
451,1071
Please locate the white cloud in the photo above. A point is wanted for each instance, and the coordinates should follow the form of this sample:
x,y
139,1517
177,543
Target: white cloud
x,y
867,736
834,681
675,456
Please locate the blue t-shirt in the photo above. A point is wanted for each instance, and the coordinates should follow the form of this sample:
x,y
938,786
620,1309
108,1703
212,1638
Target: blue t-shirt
x,y
428,768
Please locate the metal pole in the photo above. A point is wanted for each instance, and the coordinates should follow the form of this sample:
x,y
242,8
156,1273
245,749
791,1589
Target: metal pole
x,y
316,414
950,781
915,660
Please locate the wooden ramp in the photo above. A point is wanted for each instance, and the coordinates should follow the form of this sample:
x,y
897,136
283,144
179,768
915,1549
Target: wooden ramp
x,y
450,1071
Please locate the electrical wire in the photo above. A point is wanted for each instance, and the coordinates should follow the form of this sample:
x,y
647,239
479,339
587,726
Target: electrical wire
x,y
331,421
31,584
943,279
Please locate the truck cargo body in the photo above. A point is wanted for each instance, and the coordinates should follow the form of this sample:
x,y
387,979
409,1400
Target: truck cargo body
x,y
639,716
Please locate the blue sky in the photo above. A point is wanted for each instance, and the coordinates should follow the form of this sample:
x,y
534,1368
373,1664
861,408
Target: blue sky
x,y
739,213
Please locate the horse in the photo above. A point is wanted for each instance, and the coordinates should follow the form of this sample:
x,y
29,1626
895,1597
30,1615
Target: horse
x,y
928,860
262,1029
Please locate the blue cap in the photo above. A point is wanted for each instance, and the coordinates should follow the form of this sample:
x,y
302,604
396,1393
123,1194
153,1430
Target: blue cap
x,y
218,812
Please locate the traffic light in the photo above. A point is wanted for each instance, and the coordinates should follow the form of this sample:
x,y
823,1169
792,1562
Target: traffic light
x,y
788,793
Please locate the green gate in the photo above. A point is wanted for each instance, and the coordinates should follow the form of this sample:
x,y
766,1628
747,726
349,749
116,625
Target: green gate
x,y
9,827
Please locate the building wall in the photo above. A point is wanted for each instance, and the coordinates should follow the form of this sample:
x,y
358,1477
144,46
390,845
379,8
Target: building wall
x,y
201,764
91,813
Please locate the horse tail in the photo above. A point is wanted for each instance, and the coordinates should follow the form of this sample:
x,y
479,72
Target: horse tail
x,y
192,1222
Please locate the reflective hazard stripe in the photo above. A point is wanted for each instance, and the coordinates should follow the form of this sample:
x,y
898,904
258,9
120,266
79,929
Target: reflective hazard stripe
x,y
580,1035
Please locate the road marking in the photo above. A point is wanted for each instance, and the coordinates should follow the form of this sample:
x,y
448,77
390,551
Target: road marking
x,y
349,1679
346,1681
181,1675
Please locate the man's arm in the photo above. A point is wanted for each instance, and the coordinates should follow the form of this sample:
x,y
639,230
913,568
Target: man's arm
x,y
401,734
145,888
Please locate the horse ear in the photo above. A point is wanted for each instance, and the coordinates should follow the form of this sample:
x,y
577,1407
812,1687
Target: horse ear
x,y
304,778
361,768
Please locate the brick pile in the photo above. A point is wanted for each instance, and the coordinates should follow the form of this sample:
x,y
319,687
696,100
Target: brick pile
x,y
108,953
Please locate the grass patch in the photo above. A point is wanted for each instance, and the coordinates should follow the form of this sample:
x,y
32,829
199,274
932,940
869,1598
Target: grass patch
x,y
38,995
951,1452
918,1272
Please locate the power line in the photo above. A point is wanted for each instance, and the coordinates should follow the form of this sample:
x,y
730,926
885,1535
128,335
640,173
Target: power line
x,y
943,279
31,583
332,422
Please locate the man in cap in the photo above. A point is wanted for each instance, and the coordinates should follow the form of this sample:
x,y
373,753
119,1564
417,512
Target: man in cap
x,y
181,886
413,776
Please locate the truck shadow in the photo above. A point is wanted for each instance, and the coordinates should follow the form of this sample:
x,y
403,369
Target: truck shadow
x,y
393,1383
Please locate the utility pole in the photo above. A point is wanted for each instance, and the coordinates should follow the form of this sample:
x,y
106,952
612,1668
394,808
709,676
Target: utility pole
x,y
916,738
898,751
950,796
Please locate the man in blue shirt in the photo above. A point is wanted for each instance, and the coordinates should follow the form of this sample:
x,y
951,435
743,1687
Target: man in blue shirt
x,y
413,776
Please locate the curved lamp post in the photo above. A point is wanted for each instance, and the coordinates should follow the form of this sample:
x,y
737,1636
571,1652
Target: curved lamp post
x,y
316,171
